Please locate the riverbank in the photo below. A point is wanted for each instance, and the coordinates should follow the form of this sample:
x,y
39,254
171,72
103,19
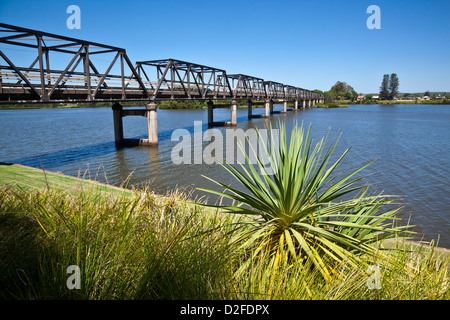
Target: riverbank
x,y
330,105
33,179
136,245
389,102
197,104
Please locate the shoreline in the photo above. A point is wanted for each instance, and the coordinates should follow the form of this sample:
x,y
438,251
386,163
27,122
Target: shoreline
x,y
341,104
21,176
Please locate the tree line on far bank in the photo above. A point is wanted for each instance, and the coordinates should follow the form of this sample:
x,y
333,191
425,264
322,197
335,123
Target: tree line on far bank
x,y
389,90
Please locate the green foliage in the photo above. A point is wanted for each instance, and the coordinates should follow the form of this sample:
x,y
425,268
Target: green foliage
x,y
298,214
384,88
343,90
393,85
127,247
329,96
182,104
389,86
144,246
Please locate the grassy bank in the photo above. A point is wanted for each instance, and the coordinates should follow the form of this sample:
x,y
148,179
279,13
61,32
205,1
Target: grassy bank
x,y
33,179
137,245
330,105
389,102
166,104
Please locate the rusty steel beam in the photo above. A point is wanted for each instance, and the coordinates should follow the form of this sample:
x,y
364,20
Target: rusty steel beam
x,y
147,80
184,80
64,82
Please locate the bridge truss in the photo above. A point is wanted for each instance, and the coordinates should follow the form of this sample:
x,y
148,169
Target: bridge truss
x,y
63,69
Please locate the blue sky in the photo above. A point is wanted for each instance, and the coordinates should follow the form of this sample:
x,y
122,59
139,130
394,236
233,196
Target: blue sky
x,y
310,44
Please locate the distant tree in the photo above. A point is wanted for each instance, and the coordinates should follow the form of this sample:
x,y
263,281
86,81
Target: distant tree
x,y
393,85
329,96
342,89
354,95
406,94
384,88
369,96
427,93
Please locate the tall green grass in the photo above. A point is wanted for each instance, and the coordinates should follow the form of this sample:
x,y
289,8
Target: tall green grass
x,y
143,246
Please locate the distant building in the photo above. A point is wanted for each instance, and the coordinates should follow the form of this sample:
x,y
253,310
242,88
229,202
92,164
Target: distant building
x,y
375,97
361,96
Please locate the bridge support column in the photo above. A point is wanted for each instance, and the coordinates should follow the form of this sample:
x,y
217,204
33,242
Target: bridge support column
x,y
233,113
267,108
152,125
309,103
210,113
296,105
285,103
304,104
250,105
118,124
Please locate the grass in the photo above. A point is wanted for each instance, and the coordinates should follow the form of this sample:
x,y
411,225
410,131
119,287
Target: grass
x,y
37,179
330,105
133,244
127,247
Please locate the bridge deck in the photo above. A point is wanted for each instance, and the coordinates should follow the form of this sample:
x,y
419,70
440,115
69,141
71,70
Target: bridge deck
x,y
67,69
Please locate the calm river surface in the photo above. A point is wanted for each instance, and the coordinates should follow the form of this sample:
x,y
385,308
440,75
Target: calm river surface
x,y
411,143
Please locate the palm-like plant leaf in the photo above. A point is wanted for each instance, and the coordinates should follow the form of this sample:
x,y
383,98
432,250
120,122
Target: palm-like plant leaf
x,y
298,211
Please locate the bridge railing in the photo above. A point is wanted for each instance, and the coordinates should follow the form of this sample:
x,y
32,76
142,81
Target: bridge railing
x,y
247,87
59,68
176,79
62,68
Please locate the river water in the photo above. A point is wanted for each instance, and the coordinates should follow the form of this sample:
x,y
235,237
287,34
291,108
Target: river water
x,y
410,142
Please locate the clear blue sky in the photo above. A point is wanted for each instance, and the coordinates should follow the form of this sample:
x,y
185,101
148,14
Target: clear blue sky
x,y
310,44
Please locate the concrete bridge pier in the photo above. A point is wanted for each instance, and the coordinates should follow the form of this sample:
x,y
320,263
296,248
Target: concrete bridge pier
x,y
118,124
149,112
304,104
285,103
250,105
309,103
268,108
233,108
210,113
295,105
152,125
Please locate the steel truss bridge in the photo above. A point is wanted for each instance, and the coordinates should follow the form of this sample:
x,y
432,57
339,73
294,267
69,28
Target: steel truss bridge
x,y
64,69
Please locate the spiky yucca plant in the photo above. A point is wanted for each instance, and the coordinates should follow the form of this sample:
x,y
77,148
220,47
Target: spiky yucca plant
x,y
298,212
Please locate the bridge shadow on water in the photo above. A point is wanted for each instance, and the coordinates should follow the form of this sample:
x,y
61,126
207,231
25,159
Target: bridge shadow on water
x,y
82,153
59,158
